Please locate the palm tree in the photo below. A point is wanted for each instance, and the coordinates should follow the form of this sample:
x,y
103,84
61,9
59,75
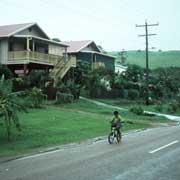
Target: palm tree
x,y
10,104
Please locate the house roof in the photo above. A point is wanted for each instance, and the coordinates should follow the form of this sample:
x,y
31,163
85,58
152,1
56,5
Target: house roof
x,y
43,39
76,46
10,30
100,53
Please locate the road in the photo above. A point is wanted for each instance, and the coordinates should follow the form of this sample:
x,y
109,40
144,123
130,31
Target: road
x,y
153,154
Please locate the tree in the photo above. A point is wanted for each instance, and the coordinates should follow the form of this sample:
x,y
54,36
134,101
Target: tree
x,y
5,72
122,57
37,78
165,82
134,73
10,104
101,49
56,39
100,82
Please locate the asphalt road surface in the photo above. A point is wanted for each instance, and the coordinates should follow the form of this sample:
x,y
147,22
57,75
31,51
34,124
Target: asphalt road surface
x,y
152,154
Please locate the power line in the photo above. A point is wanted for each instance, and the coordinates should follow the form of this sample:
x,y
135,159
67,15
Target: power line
x,y
146,35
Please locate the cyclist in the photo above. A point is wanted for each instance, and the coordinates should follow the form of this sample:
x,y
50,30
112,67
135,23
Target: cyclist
x,y
116,121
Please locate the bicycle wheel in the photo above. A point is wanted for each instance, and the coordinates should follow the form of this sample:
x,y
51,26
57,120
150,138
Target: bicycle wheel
x,y
119,137
110,138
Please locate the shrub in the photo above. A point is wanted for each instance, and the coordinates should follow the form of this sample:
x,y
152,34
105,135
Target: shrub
x,y
172,107
115,93
64,98
138,110
34,98
178,100
159,108
6,72
133,94
50,91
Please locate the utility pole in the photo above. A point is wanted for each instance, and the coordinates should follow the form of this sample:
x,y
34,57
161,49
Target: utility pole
x,y
146,35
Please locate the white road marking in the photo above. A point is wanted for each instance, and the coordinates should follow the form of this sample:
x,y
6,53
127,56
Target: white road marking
x,y
40,154
162,147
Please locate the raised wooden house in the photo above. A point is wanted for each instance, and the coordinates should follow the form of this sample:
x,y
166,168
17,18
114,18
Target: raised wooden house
x,y
88,51
24,47
27,46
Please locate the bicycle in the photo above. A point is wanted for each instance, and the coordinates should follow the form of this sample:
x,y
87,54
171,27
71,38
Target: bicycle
x,y
114,134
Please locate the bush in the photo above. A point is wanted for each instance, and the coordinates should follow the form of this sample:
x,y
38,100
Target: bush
x,y
115,93
64,98
172,107
34,98
6,72
50,91
178,100
137,110
133,94
159,108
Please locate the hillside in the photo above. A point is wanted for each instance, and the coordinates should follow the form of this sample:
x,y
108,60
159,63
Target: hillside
x,y
156,59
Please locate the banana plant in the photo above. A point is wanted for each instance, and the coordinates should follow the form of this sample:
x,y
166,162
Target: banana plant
x,y
10,105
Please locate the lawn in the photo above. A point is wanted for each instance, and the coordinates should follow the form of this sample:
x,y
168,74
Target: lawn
x,y
61,124
125,103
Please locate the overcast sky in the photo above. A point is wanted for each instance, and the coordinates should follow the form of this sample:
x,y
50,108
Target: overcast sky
x,y
110,23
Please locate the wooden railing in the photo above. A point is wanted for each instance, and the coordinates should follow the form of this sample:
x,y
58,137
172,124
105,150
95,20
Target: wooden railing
x,y
61,69
70,63
15,56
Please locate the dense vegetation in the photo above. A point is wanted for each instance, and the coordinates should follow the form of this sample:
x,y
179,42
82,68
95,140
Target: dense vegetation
x,y
164,86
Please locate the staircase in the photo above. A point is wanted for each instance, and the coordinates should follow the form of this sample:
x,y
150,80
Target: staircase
x,y
62,67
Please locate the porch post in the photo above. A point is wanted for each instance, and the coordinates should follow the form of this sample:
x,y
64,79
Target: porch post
x,y
33,46
27,47
27,44
92,63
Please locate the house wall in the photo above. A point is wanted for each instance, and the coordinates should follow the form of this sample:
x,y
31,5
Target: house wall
x,y
108,61
88,48
34,31
3,51
17,44
91,47
56,50
88,57
84,57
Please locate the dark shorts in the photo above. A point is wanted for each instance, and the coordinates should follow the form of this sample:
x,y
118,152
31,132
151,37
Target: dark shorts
x,y
116,125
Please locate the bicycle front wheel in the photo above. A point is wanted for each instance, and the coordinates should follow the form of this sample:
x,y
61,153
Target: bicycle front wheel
x,y
119,137
110,138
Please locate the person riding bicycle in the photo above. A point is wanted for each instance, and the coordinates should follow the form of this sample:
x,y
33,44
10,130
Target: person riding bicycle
x,y
116,121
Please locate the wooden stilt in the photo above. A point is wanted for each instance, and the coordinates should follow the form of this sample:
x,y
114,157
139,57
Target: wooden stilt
x,y
25,69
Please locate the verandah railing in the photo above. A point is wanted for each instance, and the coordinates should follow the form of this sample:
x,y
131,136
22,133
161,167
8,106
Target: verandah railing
x,y
15,56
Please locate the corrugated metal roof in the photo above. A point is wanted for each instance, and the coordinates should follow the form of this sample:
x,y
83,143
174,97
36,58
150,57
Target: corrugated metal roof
x,y
76,46
36,37
7,30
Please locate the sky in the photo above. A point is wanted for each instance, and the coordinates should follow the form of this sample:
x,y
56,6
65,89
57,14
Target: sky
x,y
110,23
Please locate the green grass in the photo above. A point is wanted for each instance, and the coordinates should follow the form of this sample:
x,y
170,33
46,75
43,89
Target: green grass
x,y
55,125
156,59
124,103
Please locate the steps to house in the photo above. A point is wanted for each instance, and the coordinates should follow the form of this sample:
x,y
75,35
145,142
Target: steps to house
x,y
62,67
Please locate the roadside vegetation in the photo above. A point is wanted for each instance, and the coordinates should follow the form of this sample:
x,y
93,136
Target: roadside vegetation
x,y
54,115
53,125
164,108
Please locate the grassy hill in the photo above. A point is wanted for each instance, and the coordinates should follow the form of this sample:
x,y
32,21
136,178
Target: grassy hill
x,y
156,59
